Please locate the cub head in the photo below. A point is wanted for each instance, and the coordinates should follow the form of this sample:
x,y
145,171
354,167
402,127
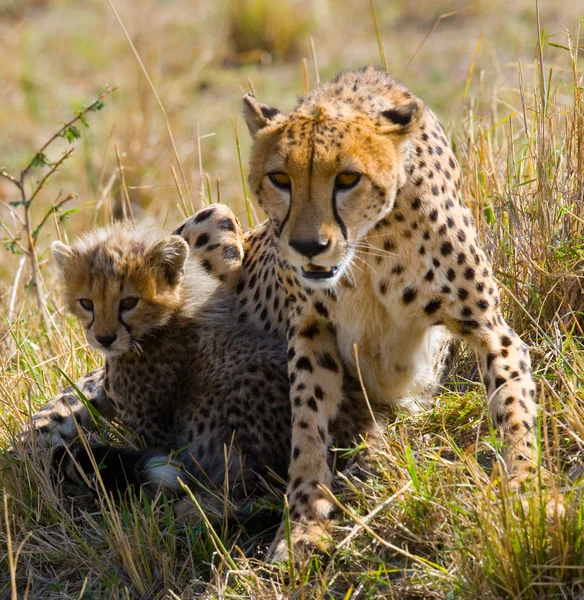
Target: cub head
x,y
122,283
329,171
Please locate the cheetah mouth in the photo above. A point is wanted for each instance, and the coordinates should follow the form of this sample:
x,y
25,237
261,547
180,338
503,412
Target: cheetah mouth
x,y
311,271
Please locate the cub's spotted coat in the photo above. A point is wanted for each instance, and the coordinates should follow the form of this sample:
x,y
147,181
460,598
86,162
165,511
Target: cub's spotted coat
x,y
179,370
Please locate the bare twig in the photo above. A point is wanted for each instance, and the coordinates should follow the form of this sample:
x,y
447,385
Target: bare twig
x,y
29,231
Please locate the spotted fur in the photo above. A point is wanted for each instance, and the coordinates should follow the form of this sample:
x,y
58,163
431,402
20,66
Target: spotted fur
x,y
178,372
407,272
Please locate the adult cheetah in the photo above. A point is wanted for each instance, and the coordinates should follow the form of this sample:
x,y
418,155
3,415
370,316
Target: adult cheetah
x,y
367,242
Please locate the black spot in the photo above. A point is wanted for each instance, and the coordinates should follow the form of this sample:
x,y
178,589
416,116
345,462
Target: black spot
x,y
312,404
309,331
490,358
509,401
409,295
397,270
303,424
450,275
467,326
482,304
296,453
206,265
383,287
434,216
500,381
304,364
446,248
505,341
429,276
321,309
432,307
416,204
226,224
435,190
230,252
202,240
326,361
462,294
204,215
469,273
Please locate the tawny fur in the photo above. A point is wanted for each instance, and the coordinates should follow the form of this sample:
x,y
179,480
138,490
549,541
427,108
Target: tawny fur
x,y
409,271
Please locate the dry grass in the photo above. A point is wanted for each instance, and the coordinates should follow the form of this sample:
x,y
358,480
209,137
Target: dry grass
x,y
433,524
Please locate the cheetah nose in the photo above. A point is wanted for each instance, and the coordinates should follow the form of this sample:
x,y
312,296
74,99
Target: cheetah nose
x,y
310,248
106,340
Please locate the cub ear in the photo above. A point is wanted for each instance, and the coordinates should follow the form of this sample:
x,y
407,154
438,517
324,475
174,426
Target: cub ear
x,y
403,118
169,255
258,115
63,255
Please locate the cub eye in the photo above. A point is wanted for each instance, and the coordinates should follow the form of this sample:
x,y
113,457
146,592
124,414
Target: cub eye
x,y
281,180
346,181
128,303
86,304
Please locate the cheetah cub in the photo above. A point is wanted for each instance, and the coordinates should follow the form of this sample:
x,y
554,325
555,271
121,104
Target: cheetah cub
x,y
178,371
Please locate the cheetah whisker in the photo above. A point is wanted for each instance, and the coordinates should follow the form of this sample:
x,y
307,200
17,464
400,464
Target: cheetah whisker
x,y
365,263
371,249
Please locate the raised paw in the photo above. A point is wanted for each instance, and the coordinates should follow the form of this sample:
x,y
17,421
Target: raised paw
x,y
306,537
215,238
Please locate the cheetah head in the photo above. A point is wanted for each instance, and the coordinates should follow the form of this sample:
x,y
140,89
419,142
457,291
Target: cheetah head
x,y
121,284
327,173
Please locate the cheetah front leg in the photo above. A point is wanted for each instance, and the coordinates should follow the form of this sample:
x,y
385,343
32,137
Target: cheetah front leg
x,y
316,380
506,367
510,389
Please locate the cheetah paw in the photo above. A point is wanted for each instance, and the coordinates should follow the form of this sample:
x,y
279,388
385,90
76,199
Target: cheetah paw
x,y
306,537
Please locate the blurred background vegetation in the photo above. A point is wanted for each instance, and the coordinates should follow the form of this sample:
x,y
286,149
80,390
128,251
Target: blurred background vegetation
x,y
56,55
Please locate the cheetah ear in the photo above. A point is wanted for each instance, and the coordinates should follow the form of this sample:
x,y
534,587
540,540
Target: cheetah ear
x,y
258,115
169,256
403,118
63,255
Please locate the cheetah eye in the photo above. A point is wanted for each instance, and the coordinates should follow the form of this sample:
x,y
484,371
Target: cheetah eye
x,y
346,181
86,304
281,180
128,303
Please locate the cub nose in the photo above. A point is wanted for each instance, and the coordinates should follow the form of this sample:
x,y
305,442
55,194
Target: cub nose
x,y
106,340
310,248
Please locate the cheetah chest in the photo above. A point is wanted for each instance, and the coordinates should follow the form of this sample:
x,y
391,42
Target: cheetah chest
x,y
395,350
